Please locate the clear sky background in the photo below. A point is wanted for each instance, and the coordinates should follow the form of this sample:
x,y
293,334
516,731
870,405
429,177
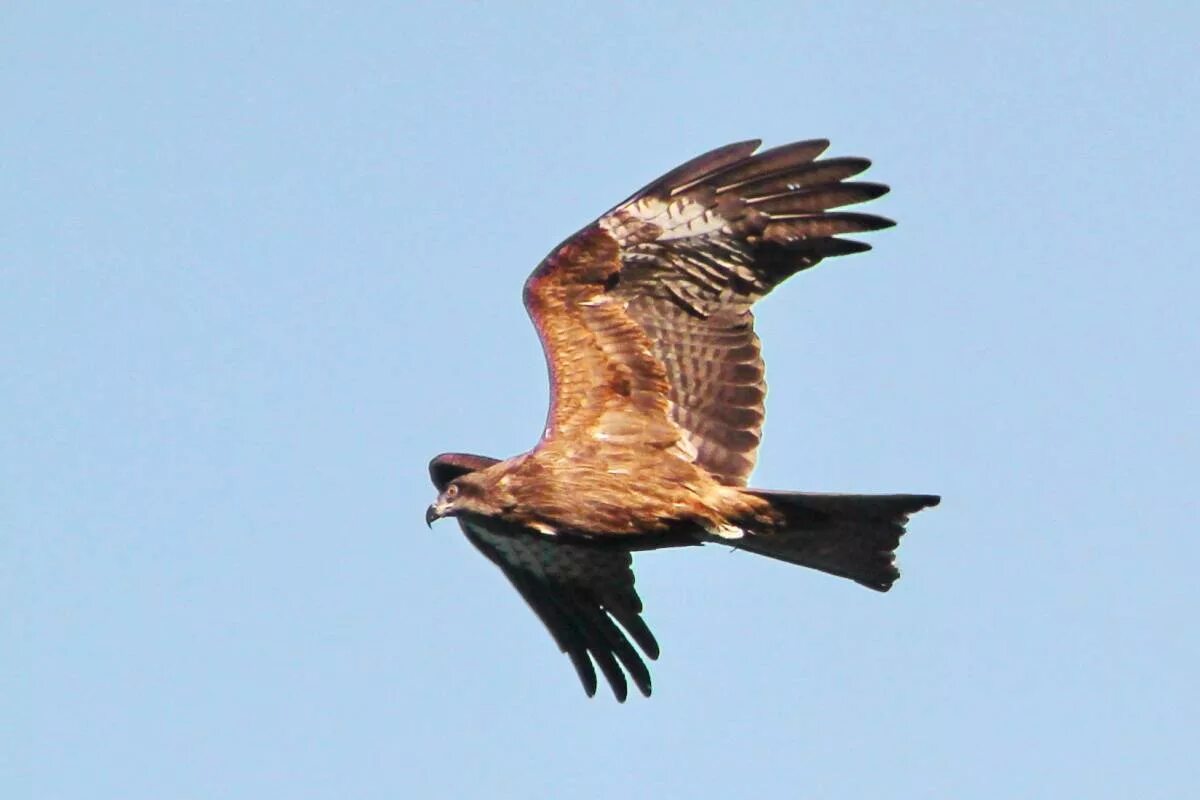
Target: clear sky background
x,y
258,265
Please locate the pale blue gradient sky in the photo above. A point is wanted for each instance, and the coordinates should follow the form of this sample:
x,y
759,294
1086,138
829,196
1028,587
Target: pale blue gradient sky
x,y
258,265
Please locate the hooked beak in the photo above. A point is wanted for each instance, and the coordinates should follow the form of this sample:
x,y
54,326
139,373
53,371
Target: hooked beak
x,y
432,514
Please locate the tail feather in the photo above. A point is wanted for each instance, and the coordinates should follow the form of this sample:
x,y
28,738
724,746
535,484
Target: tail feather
x,y
850,535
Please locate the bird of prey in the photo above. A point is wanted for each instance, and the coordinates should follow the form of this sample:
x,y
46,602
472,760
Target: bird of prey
x,y
656,403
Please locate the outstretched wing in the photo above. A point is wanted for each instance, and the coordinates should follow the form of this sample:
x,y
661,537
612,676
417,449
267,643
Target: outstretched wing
x,y
645,314
579,591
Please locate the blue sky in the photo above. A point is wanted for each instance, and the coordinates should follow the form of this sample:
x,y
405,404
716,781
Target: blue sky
x,y
257,265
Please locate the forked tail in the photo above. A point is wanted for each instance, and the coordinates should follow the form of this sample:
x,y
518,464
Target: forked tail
x,y
850,535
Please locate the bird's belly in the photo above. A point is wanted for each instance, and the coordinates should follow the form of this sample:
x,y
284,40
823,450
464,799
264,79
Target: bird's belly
x,y
597,501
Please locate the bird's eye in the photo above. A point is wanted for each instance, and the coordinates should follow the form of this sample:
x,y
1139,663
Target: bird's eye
x,y
452,491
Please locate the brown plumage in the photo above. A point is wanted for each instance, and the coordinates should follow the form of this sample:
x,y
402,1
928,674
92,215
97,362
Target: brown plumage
x,y
656,402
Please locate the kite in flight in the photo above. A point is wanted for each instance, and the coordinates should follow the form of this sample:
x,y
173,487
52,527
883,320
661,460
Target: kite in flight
x,y
656,403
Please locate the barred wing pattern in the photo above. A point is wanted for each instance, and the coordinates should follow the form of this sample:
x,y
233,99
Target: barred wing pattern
x,y
579,591
645,315
699,247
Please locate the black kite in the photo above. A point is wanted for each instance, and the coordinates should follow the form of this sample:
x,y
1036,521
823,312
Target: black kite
x,y
656,403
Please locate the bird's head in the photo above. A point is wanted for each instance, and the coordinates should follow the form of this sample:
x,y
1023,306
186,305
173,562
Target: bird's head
x,y
462,495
